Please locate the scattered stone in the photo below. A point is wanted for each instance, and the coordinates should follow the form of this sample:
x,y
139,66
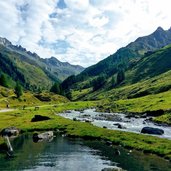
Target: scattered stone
x,y
85,116
112,169
117,152
144,115
88,121
150,130
38,118
74,119
120,126
68,111
109,143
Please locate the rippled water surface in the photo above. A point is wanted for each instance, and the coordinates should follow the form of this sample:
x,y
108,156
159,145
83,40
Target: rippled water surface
x,y
66,154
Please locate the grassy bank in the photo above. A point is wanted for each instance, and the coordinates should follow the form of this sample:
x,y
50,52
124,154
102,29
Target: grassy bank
x,y
22,120
142,104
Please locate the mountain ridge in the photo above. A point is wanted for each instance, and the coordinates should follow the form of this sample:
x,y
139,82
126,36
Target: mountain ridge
x,y
30,69
19,49
145,58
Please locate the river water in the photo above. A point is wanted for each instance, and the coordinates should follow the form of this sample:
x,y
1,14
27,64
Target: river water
x,y
67,154
111,121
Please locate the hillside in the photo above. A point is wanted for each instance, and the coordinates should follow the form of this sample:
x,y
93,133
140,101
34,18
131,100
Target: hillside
x,y
124,59
150,75
7,96
151,65
30,69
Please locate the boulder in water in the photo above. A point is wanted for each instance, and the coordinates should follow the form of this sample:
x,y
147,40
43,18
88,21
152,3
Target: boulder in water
x,y
150,130
46,136
11,131
120,126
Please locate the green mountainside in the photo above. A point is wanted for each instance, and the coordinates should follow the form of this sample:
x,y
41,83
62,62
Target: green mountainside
x,y
29,69
124,59
146,87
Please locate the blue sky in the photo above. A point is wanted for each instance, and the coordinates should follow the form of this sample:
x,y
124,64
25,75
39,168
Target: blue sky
x,y
80,31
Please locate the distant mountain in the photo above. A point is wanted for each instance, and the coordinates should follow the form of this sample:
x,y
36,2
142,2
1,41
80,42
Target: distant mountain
x,y
154,41
30,69
61,69
126,57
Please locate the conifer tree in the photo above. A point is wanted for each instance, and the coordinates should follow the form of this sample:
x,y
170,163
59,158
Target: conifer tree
x,y
56,88
120,76
18,90
3,80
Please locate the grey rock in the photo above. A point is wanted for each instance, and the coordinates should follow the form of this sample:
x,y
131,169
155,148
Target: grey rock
x,y
150,130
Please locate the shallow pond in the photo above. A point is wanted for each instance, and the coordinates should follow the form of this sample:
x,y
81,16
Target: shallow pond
x,y
67,154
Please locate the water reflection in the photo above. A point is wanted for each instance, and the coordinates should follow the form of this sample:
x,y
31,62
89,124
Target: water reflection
x,y
66,154
61,154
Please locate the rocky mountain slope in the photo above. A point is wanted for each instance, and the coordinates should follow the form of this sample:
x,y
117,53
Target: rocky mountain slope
x,y
30,69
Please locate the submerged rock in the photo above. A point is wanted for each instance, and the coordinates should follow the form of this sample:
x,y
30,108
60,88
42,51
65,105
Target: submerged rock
x,y
150,130
46,136
11,131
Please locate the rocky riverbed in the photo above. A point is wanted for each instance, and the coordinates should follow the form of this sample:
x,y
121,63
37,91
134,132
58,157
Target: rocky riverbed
x,y
119,121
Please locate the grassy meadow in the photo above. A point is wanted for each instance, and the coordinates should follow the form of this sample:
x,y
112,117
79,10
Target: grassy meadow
x,y
22,120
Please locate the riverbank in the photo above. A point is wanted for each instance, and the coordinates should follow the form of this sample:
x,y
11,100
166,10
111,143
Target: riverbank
x,y
157,104
22,120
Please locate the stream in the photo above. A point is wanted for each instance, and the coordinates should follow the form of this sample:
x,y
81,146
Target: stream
x,y
68,154
112,120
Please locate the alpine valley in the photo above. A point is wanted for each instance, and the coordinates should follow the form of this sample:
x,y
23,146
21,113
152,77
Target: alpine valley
x,y
31,70
96,113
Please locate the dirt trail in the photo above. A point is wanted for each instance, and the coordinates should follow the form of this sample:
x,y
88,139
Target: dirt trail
x,y
6,110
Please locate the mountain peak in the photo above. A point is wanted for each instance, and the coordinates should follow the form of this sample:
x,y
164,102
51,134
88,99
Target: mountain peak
x,y
160,29
5,42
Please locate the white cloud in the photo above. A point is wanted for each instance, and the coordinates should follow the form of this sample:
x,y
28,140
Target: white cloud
x,y
77,4
80,32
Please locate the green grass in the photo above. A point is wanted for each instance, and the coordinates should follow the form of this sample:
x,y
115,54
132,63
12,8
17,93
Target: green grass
x,y
150,102
28,98
142,104
78,94
22,120
166,118
152,94
153,85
